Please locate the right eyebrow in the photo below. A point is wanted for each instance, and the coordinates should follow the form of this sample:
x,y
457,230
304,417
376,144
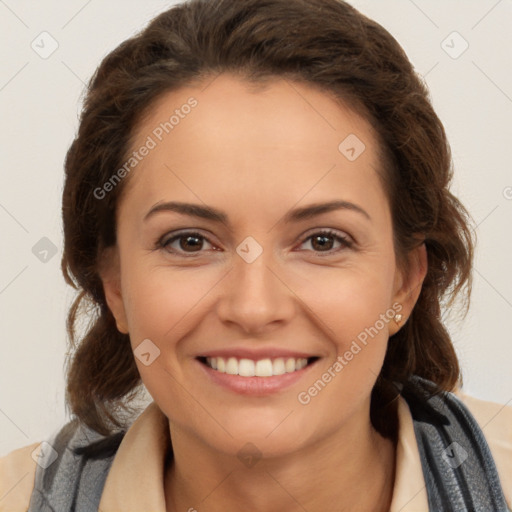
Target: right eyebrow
x,y
193,210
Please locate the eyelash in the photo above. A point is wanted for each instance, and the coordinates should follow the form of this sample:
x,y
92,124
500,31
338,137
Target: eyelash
x,y
164,243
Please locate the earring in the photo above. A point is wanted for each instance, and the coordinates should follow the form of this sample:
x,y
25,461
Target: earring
x,y
398,318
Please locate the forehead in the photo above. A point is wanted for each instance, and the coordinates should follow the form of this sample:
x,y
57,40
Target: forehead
x,y
227,137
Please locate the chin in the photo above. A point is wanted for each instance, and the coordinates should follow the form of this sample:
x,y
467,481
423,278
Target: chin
x,y
268,437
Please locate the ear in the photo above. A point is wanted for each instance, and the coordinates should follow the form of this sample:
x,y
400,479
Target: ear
x,y
408,283
110,274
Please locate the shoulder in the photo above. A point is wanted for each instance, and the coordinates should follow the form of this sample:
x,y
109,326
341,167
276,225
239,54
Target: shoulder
x,y
75,459
451,427
17,474
495,421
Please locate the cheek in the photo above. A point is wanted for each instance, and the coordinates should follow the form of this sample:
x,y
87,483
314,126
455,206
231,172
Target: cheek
x,y
162,306
158,300
349,300
353,307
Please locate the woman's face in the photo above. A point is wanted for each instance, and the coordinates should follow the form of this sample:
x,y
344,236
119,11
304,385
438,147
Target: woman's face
x,y
228,258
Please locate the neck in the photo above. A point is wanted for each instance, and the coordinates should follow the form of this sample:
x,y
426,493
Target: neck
x,y
352,470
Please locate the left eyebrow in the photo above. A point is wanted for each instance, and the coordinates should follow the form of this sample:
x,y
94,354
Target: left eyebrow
x,y
297,215
313,210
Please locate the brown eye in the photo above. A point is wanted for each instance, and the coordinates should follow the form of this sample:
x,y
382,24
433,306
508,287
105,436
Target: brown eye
x,y
324,241
191,242
183,243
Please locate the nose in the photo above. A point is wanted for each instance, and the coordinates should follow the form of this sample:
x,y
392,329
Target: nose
x,y
255,296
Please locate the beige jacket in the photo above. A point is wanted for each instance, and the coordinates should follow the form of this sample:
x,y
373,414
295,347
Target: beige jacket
x,y
131,486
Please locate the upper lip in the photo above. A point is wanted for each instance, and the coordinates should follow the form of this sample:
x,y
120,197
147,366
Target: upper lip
x,y
256,354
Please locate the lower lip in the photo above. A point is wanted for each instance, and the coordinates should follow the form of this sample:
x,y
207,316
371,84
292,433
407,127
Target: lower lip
x,y
255,386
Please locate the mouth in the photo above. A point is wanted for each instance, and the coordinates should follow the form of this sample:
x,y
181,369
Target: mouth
x,y
257,377
265,367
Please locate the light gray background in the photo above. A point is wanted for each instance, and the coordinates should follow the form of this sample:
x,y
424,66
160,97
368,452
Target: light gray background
x,y
39,102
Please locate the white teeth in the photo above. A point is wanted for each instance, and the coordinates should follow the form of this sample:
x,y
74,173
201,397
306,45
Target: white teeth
x,y
261,368
278,366
290,365
303,362
232,366
246,368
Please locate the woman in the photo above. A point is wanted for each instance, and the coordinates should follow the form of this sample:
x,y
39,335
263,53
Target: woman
x,y
257,217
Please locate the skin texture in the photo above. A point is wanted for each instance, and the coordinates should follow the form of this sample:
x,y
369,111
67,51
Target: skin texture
x,y
256,154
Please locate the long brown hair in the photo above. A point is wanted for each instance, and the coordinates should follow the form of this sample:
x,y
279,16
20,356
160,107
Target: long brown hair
x,y
323,43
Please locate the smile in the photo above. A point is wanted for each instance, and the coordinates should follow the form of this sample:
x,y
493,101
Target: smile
x,y
266,367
